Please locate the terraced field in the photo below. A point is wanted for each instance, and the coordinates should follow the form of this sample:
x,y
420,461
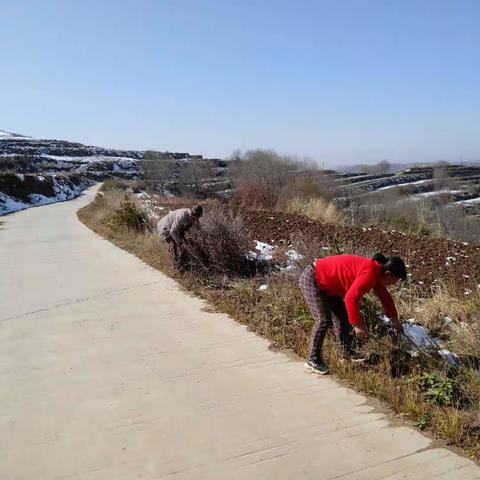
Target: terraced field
x,y
459,183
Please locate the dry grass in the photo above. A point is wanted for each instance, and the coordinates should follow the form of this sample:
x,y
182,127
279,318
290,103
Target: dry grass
x,y
315,208
148,247
120,185
455,320
313,184
280,314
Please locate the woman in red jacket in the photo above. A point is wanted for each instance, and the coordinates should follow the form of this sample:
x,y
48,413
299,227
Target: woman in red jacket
x,y
332,288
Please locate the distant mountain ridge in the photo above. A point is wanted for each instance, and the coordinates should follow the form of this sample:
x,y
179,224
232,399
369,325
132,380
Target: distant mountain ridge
x,y
16,144
5,134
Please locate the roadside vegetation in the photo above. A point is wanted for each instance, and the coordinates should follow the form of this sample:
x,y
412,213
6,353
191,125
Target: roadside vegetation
x,y
423,389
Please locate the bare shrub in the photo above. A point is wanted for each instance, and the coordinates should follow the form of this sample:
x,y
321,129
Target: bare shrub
x,y
194,177
260,176
220,246
254,195
265,167
128,215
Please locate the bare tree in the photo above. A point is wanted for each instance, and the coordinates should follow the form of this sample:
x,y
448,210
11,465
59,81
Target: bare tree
x,y
158,170
195,177
267,168
379,168
383,167
260,175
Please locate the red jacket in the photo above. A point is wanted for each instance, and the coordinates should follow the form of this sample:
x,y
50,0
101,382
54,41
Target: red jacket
x,y
351,277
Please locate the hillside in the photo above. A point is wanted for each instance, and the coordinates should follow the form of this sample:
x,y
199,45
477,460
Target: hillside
x,y
38,171
454,190
461,182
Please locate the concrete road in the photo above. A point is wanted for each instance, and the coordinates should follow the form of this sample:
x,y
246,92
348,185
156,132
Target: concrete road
x,y
109,371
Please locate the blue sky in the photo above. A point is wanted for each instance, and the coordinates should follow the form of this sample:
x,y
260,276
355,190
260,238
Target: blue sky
x,y
343,81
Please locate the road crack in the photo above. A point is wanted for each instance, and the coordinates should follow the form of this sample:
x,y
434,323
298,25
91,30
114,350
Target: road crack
x,y
77,300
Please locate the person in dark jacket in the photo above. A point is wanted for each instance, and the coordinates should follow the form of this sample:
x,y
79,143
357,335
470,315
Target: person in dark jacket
x,y
332,288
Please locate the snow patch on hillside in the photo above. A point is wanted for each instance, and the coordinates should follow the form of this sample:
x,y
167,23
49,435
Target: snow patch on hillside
x,y
63,191
88,159
9,204
402,184
419,196
470,202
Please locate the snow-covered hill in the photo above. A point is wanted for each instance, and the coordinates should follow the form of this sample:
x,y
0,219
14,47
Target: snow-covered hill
x,y
38,171
18,191
68,167
69,155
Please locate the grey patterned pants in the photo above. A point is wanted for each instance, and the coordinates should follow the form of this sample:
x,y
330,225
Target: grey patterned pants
x,y
326,311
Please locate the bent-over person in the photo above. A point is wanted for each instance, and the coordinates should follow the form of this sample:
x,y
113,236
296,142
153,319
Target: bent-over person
x,y
172,229
332,288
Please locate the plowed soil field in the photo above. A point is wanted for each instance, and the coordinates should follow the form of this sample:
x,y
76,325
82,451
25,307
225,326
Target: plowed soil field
x,y
430,259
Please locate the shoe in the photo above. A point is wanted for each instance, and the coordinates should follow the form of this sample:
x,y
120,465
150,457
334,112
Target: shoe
x,y
317,366
356,357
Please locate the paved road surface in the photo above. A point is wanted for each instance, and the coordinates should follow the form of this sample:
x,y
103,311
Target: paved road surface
x,y
109,371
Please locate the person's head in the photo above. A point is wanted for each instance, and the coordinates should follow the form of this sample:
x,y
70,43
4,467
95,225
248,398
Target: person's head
x,y
393,269
197,211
